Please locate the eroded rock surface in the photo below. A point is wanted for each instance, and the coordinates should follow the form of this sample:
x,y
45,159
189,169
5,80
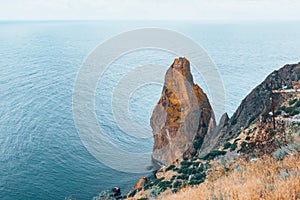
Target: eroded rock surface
x,y
182,117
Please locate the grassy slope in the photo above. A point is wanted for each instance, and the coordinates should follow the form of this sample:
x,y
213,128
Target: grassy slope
x,y
265,178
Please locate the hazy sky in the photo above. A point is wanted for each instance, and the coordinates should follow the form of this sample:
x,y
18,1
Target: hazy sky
x,y
150,9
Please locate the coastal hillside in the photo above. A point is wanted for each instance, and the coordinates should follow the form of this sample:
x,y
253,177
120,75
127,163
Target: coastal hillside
x,y
252,155
266,103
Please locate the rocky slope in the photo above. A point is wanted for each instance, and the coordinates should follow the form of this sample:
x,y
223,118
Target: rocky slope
x,y
260,104
182,117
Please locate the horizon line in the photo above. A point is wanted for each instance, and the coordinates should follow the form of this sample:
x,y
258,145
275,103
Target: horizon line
x,y
153,20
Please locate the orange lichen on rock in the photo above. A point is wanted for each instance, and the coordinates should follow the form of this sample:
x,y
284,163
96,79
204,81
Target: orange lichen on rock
x,y
141,183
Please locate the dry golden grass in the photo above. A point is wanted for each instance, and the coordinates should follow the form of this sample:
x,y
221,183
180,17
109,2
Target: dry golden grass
x,y
261,179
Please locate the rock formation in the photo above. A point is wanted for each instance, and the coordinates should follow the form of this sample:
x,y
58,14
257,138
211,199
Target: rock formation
x,y
258,104
182,117
141,183
258,101
212,138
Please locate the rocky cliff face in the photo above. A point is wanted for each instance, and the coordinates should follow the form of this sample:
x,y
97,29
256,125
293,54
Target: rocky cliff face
x,y
182,117
258,103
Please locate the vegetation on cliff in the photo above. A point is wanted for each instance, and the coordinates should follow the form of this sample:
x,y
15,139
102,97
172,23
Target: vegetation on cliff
x,y
264,178
272,173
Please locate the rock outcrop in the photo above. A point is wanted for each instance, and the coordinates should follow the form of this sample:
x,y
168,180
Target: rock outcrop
x,y
211,140
141,183
182,117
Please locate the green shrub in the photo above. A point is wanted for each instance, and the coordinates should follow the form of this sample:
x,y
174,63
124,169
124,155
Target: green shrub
x,y
162,186
243,145
155,192
185,171
200,169
170,168
157,181
175,169
198,142
177,184
199,176
143,199
233,146
295,112
227,145
286,109
236,140
291,102
251,120
233,121
149,184
175,190
183,177
194,181
192,171
211,155
278,112
185,164
147,187
173,178
282,108
132,193
289,109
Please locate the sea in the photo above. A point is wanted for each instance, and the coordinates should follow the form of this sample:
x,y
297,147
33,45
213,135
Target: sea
x,y
42,155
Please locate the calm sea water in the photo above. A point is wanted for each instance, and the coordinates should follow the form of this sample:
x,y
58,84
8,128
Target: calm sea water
x,y
41,155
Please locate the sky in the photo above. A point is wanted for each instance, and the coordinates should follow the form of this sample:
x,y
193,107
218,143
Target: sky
x,y
203,10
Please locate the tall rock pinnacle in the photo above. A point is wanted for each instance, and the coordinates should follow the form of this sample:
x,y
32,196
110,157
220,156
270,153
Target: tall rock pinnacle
x,y
182,116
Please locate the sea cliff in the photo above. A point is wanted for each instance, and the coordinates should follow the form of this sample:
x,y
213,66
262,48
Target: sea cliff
x,y
246,156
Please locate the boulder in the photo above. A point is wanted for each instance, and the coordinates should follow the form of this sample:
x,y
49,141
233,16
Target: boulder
x,y
141,183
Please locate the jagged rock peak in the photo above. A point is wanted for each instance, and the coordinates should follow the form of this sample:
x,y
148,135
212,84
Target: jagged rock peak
x,y
182,116
182,65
